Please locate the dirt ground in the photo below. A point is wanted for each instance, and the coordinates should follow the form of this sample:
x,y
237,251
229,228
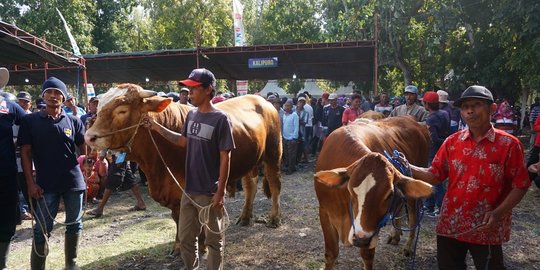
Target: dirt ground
x,y
297,244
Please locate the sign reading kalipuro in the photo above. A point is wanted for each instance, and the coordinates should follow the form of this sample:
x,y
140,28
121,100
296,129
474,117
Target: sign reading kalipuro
x,y
263,62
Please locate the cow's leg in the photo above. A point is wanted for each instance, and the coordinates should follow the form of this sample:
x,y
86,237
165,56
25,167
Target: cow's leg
x,y
249,184
331,240
367,255
412,206
272,174
395,235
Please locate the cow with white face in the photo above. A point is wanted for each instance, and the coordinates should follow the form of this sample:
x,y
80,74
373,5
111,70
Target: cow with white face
x,y
357,186
256,130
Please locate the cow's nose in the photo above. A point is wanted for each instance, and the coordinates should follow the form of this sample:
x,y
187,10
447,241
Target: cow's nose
x,y
361,242
90,138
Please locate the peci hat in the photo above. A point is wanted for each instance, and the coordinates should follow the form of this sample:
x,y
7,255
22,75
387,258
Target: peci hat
x,y
198,77
4,77
443,96
474,91
54,83
430,97
411,89
24,96
332,96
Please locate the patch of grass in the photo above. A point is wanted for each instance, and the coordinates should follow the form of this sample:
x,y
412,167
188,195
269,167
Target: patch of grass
x,y
313,264
116,238
151,238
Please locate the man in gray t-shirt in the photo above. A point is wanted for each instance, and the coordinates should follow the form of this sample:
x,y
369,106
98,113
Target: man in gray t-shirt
x,y
207,135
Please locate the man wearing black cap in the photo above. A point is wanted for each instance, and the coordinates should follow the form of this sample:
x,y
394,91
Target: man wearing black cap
x,y
207,134
486,179
10,115
49,138
25,101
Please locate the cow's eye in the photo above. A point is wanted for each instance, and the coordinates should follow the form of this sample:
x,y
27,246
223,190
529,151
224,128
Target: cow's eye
x,y
122,112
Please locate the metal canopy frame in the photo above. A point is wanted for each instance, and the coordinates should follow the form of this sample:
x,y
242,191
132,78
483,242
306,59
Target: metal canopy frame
x,y
31,60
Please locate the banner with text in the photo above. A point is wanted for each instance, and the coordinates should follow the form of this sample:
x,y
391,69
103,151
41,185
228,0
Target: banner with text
x,y
238,14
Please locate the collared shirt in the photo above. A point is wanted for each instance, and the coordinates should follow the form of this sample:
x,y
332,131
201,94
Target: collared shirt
x,y
53,143
290,126
334,117
480,176
419,112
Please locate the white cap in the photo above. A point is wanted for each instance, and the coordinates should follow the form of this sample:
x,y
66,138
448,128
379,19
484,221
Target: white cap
x,y
443,96
332,96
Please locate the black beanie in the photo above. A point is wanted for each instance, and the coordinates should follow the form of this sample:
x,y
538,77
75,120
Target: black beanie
x,y
55,83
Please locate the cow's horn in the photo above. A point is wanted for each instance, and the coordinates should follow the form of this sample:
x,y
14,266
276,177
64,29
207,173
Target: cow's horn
x,y
147,93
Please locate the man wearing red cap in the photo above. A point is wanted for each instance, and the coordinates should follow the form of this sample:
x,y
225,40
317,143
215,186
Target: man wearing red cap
x,y
207,135
438,123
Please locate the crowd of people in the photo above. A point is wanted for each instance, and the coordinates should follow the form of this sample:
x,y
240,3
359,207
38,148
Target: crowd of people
x,y
49,164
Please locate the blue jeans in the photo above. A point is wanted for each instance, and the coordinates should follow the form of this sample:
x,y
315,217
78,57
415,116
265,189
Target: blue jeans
x,y
73,201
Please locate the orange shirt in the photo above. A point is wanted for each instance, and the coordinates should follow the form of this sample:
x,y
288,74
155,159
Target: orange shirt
x,y
480,176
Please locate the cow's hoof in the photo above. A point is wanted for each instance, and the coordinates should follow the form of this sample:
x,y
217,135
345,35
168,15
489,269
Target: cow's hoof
x,y
393,240
175,253
406,252
243,221
273,223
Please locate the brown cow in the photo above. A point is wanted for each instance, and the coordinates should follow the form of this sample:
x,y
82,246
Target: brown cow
x,y
349,170
257,135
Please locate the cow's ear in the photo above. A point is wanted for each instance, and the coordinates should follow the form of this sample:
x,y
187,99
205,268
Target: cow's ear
x,y
333,178
413,188
156,104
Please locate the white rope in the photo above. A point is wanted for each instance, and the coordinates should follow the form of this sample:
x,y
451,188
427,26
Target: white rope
x,y
204,211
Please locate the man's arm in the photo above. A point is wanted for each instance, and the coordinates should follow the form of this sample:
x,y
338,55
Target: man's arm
x,y
492,218
424,174
224,167
171,136
34,190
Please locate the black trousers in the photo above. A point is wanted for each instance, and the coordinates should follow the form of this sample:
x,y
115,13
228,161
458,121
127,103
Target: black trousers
x,y
451,254
9,205
533,158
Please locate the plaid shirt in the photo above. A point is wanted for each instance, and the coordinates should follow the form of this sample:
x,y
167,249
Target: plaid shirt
x,y
480,176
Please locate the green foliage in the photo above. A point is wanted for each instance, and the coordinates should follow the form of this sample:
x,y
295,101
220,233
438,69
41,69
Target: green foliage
x,y
434,44
293,21
42,20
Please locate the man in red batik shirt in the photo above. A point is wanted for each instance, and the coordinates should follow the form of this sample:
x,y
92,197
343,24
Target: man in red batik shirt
x,y
486,179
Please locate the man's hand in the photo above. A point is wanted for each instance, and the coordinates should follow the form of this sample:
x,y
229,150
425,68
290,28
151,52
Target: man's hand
x,y
35,191
491,220
217,200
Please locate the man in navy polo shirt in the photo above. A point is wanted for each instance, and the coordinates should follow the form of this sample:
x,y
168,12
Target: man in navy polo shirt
x,y
50,138
10,114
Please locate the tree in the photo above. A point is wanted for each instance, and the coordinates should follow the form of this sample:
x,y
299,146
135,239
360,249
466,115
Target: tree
x,y
42,20
112,21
